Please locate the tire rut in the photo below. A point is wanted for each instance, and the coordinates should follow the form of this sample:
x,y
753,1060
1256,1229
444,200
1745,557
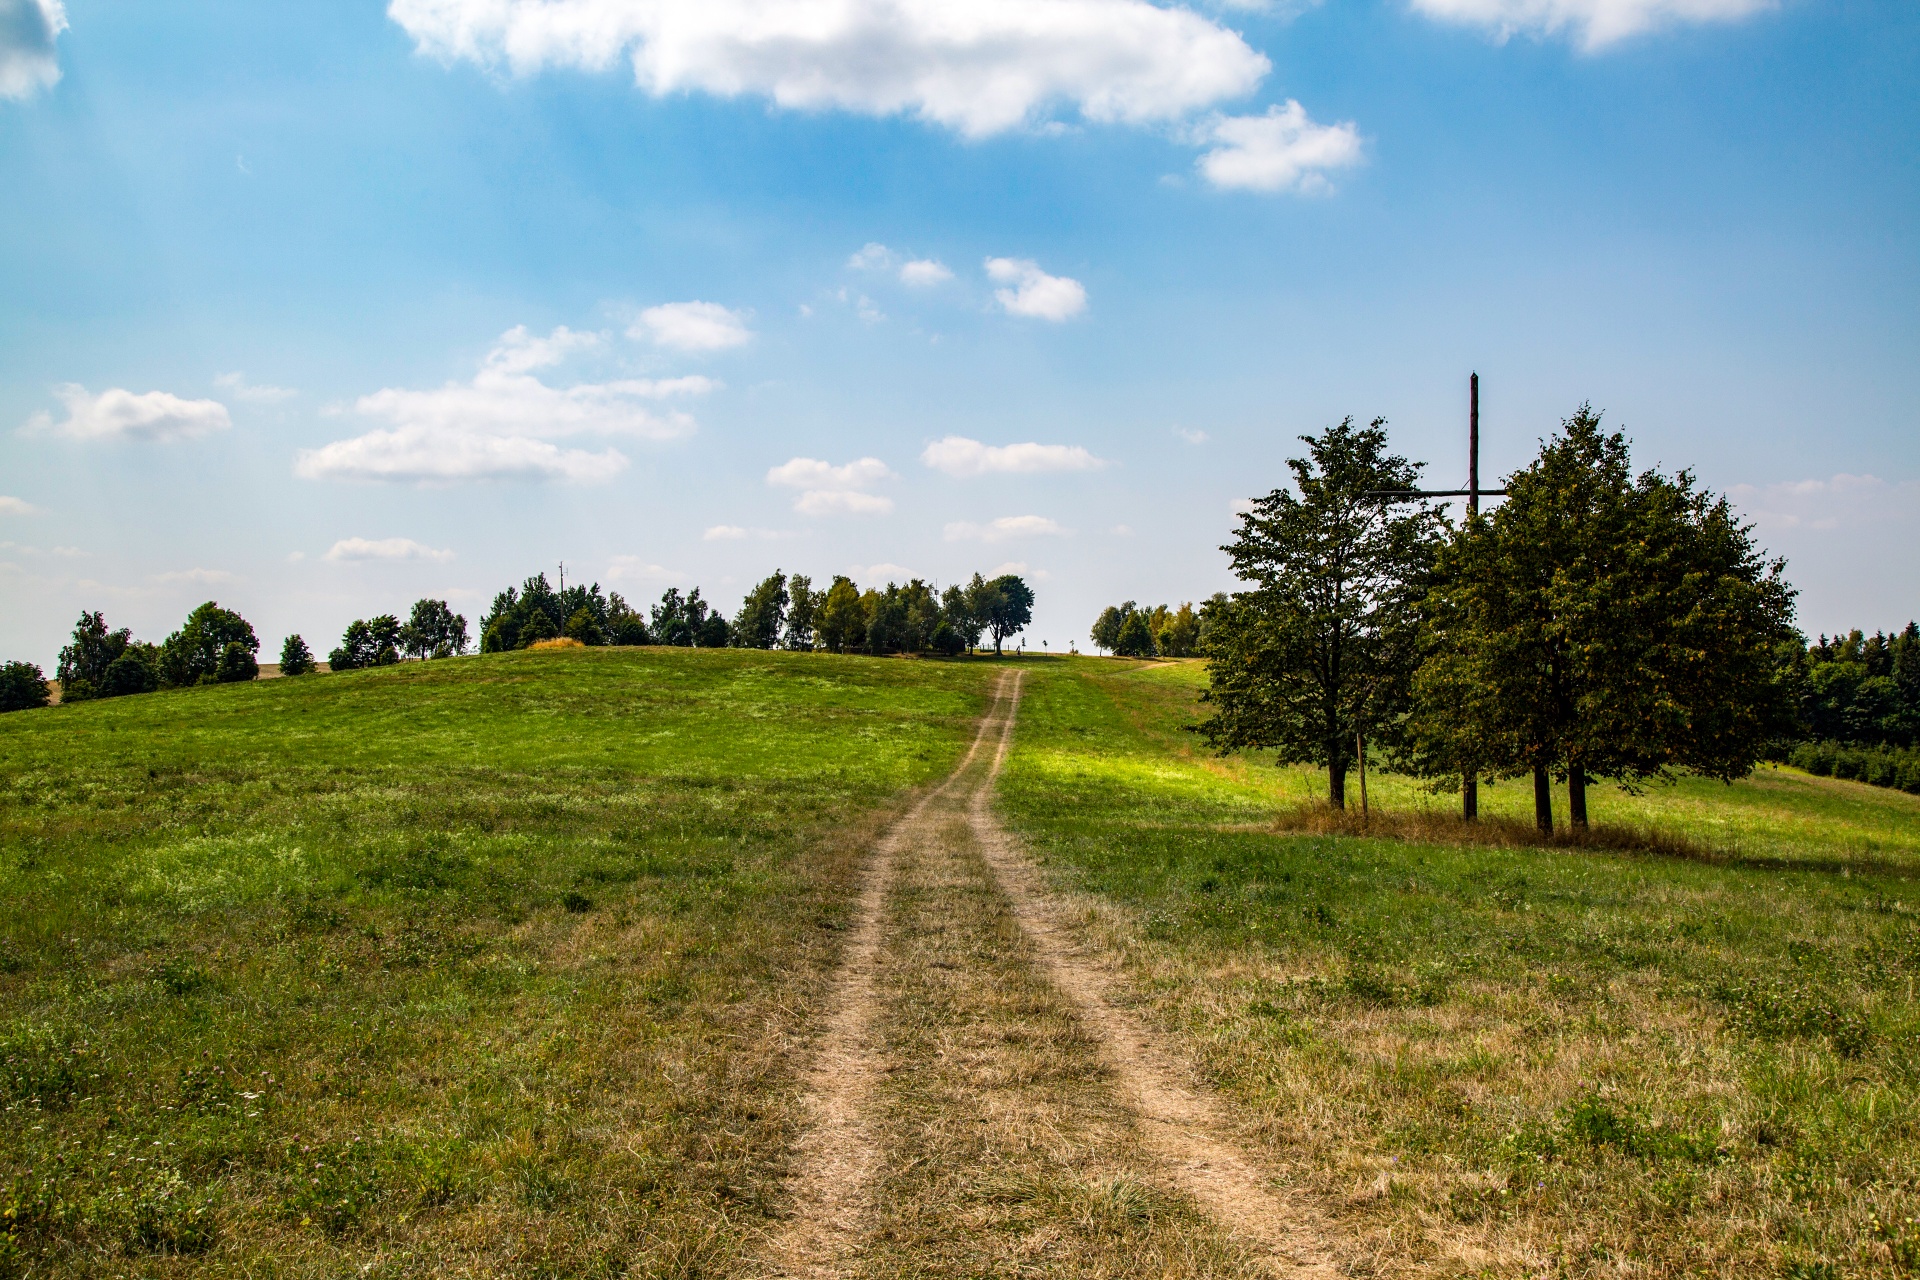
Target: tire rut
x,y
1179,1124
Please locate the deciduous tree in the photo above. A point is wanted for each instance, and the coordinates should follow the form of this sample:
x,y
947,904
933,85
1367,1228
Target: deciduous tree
x,y
1321,646
295,658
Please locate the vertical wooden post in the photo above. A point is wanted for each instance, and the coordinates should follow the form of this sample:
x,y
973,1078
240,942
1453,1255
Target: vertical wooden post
x,y
1360,749
1470,785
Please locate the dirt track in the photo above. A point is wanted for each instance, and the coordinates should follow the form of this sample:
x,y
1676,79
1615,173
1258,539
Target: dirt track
x,y
981,1100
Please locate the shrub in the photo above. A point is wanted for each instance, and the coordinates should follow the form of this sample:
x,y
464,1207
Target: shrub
x,y
295,658
237,664
23,686
1893,767
132,672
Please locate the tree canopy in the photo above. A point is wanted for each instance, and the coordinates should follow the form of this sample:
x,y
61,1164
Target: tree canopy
x,y
1321,647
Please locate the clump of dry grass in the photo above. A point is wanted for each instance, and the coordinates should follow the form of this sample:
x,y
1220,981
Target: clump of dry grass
x,y
558,642
1431,826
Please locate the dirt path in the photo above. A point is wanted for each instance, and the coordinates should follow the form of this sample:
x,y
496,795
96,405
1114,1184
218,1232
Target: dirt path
x,y
1181,1126
839,1151
982,1104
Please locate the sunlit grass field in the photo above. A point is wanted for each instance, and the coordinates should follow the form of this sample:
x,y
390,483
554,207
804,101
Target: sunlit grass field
x,y
1515,1061
484,966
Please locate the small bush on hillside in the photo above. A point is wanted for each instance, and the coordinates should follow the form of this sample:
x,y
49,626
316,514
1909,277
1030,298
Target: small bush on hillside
x,y
295,658
558,642
23,686
134,671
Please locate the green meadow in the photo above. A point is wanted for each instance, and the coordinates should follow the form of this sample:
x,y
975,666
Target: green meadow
x,y
1515,1060
484,966
508,966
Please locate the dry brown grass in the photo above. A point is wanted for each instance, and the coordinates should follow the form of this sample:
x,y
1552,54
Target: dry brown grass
x,y
558,642
1432,826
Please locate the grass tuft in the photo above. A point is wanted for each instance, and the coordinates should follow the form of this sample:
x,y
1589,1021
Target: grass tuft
x,y
1431,826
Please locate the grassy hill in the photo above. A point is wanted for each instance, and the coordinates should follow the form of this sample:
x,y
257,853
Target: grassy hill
x,y
507,965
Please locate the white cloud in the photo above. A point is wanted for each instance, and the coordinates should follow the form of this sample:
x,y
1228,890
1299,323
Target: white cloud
x,y
835,502
502,424
1282,150
118,414
979,68
692,326
871,256
923,273
197,577
834,491
28,60
16,506
1842,502
1192,435
959,456
635,569
1593,24
352,550
885,571
724,533
237,386
1004,528
1034,292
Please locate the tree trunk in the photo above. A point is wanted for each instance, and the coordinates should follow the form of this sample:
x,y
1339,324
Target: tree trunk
x,y
1470,797
1542,800
1337,780
1577,796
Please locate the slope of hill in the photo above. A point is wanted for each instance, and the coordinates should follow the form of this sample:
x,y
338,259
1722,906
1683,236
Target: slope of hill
x,y
538,964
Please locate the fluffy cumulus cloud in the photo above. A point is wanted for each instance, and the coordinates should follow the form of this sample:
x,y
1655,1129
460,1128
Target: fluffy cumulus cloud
x,y
353,550
1032,292
1282,150
692,326
1593,24
506,422
827,490
1003,529
28,61
118,414
979,68
16,506
923,273
964,458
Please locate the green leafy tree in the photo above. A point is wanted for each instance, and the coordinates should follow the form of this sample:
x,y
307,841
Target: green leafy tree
x,y
1009,607
585,628
295,658
625,626
237,664
1602,625
1106,628
843,621
513,612
433,631
1179,634
920,616
196,653
803,613
1211,610
537,627
1136,636
946,641
136,670
23,687
714,633
957,609
762,614
84,662
368,642
1322,646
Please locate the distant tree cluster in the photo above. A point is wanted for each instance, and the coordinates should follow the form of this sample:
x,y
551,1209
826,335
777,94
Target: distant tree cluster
x,y
1160,632
213,646
432,630
1597,624
1858,698
780,612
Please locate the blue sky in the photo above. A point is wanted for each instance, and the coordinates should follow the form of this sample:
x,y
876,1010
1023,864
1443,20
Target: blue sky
x,y
315,310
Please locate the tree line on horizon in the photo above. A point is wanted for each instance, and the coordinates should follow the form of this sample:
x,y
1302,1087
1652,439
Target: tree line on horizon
x,y
217,645
780,612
